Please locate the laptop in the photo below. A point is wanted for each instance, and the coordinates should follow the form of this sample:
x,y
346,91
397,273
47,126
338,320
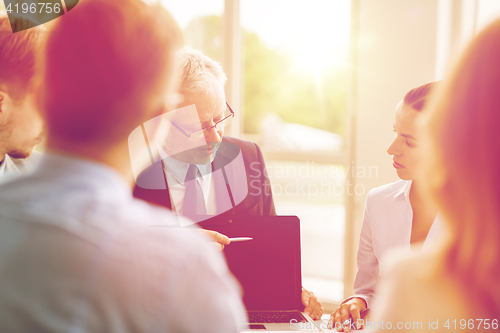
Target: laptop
x,y
268,268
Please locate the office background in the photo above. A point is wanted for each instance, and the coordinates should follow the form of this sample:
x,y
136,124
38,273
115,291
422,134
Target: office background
x,y
315,84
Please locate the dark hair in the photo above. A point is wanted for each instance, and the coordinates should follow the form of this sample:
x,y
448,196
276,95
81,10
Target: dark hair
x,y
417,97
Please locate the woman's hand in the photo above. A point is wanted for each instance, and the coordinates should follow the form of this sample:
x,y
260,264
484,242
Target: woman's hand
x,y
350,309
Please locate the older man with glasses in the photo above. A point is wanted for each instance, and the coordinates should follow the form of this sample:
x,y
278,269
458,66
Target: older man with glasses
x,y
201,172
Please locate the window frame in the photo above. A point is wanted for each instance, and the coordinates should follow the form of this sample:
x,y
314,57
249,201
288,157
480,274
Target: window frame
x,y
232,62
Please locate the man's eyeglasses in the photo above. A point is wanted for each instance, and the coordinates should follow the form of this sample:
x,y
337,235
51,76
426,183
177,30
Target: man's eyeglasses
x,y
198,134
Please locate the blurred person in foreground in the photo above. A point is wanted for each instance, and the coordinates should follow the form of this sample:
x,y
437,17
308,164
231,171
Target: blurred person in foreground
x,y
207,173
454,285
77,253
21,126
397,214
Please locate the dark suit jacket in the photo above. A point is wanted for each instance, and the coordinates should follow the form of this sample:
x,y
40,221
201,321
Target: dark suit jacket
x,y
256,185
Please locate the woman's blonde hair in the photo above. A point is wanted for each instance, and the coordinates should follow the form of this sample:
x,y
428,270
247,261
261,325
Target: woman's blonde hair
x,y
465,170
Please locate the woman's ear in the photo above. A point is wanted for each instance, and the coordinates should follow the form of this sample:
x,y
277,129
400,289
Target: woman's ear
x,y
1,99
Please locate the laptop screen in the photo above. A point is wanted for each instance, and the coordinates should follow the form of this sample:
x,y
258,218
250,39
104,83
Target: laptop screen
x,y
267,267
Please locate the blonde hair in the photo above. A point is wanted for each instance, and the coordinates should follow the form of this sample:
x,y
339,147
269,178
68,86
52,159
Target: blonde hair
x,y
465,171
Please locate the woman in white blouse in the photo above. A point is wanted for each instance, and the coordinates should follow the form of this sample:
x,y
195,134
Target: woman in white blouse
x,y
396,214
454,285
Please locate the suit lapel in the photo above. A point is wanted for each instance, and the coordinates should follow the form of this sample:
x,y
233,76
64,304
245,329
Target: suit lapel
x,y
168,202
229,159
222,198
151,185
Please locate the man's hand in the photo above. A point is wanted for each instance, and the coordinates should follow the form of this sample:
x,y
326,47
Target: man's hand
x,y
219,238
312,304
350,309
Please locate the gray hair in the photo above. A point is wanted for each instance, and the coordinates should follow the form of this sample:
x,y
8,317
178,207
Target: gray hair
x,y
198,71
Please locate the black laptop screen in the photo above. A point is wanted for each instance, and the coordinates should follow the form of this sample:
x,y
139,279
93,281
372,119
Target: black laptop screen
x,y
267,267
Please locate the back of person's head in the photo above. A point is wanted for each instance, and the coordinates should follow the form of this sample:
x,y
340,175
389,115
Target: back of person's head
x,y
108,65
198,71
465,175
17,55
419,96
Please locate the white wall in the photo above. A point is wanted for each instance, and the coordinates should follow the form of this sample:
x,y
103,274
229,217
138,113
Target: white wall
x,y
398,45
394,51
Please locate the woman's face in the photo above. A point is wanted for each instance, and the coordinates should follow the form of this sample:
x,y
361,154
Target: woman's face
x,y
407,149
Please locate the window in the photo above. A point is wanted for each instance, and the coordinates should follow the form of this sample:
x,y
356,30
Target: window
x,y
294,56
201,22
294,83
292,93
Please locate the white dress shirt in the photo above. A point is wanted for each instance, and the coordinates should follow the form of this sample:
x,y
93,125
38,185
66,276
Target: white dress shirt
x,y
2,166
176,175
11,167
387,224
77,255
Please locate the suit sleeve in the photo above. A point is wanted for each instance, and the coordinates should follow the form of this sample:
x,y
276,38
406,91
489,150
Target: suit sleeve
x,y
152,187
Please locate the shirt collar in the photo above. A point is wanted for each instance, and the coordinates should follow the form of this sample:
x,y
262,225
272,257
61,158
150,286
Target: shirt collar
x,y
9,167
2,165
179,169
404,190
85,172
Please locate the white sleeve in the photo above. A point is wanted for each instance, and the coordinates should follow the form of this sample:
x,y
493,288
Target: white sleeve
x,y
368,267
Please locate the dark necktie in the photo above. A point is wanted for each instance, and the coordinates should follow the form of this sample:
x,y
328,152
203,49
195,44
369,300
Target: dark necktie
x,y
194,202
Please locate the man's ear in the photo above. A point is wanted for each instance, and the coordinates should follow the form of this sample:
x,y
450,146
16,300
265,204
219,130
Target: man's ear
x,y
3,98
39,102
